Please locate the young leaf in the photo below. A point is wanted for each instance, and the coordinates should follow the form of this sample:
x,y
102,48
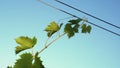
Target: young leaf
x,y
25,43
75,28
84,28
89,29
69,30
52,28
76,21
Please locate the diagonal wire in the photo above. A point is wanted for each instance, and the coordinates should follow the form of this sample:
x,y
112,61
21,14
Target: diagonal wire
x,y
79,17
88,14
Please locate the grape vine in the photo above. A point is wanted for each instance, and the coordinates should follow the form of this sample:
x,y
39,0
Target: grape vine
x,y
31,59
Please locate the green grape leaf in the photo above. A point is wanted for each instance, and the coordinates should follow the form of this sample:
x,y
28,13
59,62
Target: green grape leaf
x,y
75,21
72,27
52,28
76,27
84,28
25,43
69,30
89,29
37,63
26,61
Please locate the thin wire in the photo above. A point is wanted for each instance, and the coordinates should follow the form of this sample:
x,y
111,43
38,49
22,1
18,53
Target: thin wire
x,y
79,17
88,14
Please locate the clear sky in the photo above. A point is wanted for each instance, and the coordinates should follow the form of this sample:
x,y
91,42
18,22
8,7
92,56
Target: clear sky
x,y
99,49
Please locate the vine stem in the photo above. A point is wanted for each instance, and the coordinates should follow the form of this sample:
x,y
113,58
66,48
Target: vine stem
x,y
46,46
46,41
33,53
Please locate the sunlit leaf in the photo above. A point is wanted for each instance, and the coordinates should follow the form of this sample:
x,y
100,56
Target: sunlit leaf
x,y
25,43
52,28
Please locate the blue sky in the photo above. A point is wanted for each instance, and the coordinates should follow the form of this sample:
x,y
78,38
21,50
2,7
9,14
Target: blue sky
x,y
99,49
